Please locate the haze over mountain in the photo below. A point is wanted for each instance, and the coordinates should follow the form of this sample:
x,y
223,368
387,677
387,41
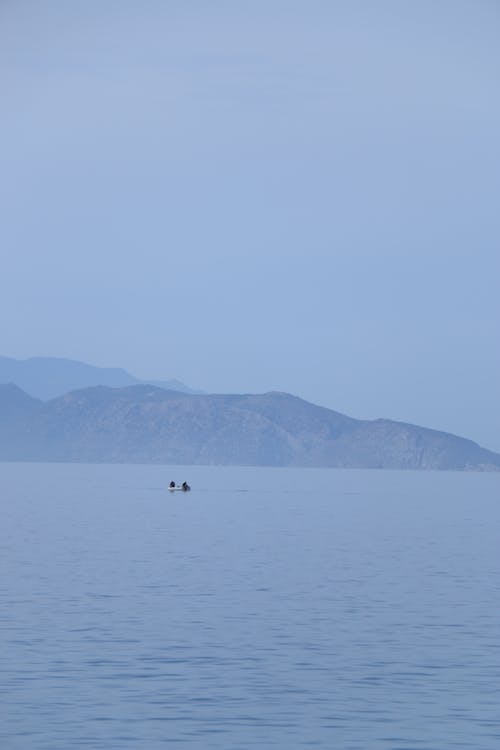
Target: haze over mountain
x,y
48,377
264,195
146,424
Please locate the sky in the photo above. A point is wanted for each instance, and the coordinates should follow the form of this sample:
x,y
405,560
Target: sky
x,y
255,196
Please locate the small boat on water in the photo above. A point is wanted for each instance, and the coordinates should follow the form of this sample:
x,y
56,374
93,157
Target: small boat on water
x,y
184,487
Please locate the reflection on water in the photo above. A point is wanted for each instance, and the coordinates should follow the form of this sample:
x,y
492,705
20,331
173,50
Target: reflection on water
x,y
267,608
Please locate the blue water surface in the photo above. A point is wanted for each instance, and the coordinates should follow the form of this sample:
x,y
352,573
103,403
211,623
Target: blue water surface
x,y
267,608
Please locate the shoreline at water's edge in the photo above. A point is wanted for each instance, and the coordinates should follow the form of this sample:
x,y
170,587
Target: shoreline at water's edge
x,y
394,469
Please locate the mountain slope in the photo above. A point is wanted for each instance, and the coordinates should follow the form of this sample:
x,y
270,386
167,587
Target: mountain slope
x,y
19,415
152,425
49,377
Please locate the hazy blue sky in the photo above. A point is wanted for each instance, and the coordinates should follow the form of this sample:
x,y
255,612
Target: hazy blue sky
x,y
261,195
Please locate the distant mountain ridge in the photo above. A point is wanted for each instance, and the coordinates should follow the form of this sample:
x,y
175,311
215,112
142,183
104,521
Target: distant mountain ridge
x,y
147,424
49,377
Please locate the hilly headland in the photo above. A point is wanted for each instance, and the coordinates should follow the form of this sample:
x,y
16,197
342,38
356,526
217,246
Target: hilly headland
x,y
148,424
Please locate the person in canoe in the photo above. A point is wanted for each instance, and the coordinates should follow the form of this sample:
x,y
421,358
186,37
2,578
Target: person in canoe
x,y
185,486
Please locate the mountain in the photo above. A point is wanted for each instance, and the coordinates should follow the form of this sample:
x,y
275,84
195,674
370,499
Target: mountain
x,y
49,377
146,424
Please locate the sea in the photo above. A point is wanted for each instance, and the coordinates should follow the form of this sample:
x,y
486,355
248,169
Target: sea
x,y
266,608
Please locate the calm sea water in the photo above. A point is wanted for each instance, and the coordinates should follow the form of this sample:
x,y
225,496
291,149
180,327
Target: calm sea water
x,y
269,608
